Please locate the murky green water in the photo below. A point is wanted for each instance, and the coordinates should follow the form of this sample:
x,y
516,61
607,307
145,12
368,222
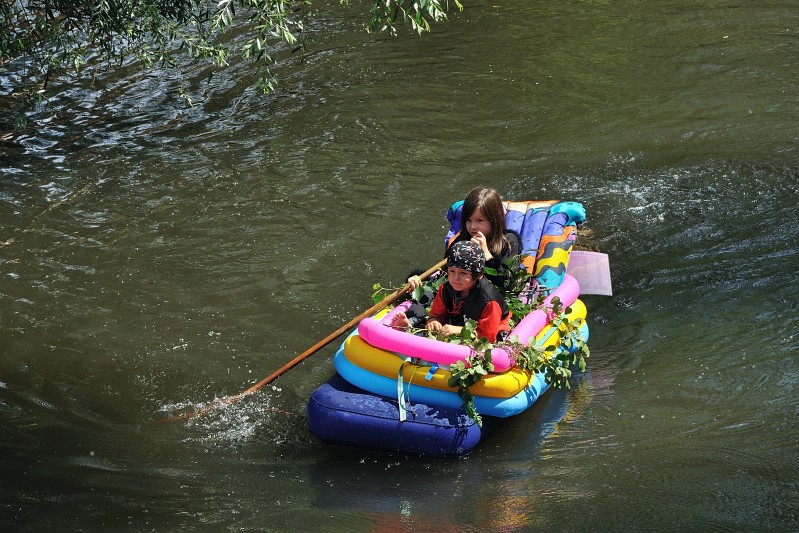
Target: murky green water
x,y
153,257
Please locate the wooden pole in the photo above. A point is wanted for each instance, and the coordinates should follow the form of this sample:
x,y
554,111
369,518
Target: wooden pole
x,y
230,400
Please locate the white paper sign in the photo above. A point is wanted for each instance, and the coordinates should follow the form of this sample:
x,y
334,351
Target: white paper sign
x,y
592,272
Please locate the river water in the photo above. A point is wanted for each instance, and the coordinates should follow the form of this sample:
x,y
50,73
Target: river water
x,y
154,257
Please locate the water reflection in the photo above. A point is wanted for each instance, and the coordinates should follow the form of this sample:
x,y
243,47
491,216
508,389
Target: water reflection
x,y
494,488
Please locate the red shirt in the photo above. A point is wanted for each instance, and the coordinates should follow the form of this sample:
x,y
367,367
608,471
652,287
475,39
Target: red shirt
x,y
448,308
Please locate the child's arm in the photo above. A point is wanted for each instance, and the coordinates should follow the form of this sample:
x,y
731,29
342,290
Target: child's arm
x,y
434,325
489,322
480,240
438,312
449,329
413,279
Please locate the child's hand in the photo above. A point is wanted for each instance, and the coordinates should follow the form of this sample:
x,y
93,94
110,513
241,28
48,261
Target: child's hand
x,y
449,329
434,325
413,282
480,240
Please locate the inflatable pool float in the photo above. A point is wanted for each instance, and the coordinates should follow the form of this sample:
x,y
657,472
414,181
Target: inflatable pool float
x,y
391,391
341,413
498,384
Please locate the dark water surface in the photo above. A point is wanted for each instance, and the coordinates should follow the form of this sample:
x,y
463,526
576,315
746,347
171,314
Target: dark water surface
x,y
154,256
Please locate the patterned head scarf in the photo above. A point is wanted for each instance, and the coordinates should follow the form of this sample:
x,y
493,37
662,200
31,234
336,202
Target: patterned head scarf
x,y
466,255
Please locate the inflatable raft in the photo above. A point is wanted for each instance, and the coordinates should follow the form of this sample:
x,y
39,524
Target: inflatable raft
x,y
390,389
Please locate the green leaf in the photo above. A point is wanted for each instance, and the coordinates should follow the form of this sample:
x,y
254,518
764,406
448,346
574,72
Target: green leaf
x,y
417,293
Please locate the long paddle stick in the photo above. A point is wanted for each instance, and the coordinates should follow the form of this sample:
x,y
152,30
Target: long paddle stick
x,y
230,400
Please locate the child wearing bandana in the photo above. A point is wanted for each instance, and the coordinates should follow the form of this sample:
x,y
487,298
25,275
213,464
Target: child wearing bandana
x,y
465,295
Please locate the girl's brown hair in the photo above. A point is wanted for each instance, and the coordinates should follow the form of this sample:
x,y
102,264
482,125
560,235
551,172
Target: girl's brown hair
x,y
489,202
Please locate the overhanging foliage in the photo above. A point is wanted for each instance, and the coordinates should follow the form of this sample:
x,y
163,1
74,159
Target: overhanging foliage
x,y
41,40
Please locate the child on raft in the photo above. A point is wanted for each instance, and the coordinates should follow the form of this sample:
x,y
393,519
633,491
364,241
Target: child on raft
x,y
466,295
483,223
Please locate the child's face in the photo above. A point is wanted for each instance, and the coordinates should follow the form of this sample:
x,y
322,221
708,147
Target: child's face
x,y
460,279
478,222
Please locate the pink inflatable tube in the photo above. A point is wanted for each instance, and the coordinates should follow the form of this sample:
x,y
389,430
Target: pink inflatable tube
x,y
380,335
